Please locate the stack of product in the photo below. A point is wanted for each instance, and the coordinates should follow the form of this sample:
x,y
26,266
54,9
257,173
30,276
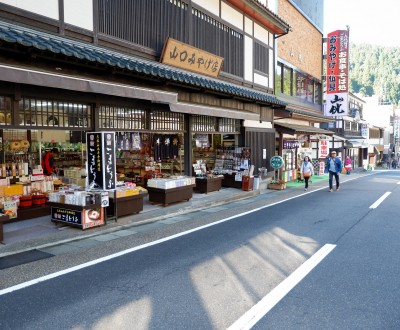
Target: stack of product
x,y
172,182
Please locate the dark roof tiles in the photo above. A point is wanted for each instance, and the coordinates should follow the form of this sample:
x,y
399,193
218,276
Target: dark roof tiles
x,y
46,42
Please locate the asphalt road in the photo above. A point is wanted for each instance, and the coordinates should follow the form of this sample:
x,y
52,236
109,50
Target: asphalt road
x,y
210,278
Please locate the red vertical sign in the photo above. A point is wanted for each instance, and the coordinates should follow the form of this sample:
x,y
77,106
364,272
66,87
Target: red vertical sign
x,y
337,73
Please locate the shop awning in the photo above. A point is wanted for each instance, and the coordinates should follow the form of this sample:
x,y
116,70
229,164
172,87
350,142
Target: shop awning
x,y
356,144
48,79
293,129
196,109
340,138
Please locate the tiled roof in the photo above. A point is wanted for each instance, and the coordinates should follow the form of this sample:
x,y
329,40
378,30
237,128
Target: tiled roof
x,y
11,33
307,113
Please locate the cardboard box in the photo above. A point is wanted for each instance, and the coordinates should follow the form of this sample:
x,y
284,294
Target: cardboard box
x,y
15,189
132,192
120,193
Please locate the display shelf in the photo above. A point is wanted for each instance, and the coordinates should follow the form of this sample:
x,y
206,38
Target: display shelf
x,y
171,195
206,185
229,181
232,158
206,155
3,218
30,213
126,205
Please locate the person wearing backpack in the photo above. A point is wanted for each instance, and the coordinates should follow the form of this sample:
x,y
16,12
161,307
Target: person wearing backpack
x,y
333,166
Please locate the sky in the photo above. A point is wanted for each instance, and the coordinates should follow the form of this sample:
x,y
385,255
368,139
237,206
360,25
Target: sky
x,y
374,22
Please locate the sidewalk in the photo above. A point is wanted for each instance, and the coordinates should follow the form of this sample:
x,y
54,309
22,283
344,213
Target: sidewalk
x,y
41,232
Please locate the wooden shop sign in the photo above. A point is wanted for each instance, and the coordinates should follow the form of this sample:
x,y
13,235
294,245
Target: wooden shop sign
x,y
186,57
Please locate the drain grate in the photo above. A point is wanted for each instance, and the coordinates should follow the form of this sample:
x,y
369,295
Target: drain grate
x,y
22,258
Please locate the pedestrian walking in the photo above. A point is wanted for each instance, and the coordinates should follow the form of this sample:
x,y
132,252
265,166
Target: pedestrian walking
x,y
333,166
307,170
394,163
347,165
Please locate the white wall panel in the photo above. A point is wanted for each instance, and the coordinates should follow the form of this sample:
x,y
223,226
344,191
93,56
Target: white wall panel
x,y
261,34
248,26
257,124
211,5
261,80
232,16
79,13
48,8
248,58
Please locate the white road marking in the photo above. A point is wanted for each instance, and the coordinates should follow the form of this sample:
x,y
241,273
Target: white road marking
x,y
136,248
252,316
121,253
380,200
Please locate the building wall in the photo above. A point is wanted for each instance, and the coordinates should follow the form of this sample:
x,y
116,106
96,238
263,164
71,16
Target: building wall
x,y
302,47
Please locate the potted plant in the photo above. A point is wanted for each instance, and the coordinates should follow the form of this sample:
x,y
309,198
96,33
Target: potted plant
x,y
277,184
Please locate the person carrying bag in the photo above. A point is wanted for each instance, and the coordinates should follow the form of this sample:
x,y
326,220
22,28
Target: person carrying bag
x,y
306,170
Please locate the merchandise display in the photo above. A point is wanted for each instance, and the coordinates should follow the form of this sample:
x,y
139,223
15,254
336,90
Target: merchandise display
x,y
167,191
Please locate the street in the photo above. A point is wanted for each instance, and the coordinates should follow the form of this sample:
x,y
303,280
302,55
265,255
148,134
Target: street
x,y
211,277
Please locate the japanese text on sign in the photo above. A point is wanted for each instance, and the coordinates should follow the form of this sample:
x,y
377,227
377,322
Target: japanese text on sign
x,y
187,57
337,73
323,148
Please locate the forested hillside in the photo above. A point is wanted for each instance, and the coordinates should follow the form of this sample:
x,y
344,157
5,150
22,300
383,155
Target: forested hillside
x,y
375,70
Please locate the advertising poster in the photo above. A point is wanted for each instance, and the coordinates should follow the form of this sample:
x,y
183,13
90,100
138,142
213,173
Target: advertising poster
x,y
87,218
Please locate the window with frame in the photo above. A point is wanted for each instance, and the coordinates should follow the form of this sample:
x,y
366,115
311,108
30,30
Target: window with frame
x,y
287,80
204,123
122,118
261,58
228,125
167,121
35,112
301,85
5,110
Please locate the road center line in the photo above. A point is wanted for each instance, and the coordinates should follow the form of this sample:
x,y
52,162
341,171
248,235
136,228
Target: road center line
x,y
252,316
380,200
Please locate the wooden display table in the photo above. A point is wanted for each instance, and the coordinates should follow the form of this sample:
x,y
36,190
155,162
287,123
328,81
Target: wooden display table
x,y
126,205
229,181
3,217
172,195
206,185
83,217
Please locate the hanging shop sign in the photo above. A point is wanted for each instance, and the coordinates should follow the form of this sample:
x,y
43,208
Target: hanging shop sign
x,y
337,74
276,162
290,144
101,162
323,148
184,56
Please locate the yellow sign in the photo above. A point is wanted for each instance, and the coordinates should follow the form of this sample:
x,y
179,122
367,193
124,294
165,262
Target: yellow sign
x,y
184,56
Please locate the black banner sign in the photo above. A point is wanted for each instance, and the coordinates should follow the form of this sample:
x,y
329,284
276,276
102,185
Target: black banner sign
x,y
101,163
109,161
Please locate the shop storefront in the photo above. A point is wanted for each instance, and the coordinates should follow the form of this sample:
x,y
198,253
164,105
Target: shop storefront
x,y
159,134
297,141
